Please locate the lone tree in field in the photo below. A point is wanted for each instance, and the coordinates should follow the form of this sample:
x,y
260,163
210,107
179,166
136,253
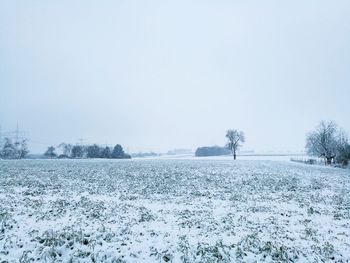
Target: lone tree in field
x,y
50,152
235,140
323,141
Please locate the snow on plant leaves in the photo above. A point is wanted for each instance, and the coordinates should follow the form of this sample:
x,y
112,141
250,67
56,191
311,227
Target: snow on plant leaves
x,y
173,211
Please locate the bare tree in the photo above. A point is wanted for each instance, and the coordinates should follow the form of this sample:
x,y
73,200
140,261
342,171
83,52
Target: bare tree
x,y
24,148
235,140
66,149
323,141
50,152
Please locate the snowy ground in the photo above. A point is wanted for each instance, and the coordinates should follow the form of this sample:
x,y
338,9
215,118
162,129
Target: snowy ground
x,y
173,211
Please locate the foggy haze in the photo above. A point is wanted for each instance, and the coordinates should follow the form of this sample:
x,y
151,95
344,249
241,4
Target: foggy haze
x,y
158,75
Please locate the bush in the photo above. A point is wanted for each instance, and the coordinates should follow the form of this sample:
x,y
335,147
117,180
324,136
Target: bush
x,y
343,155
212,151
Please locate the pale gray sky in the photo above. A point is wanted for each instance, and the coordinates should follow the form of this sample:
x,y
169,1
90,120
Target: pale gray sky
x,y
156,75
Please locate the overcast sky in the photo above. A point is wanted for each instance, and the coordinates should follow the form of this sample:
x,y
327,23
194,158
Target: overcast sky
x,y
157,75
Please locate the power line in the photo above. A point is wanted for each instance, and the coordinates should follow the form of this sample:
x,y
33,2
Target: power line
x,y
15,135
81,140
16,132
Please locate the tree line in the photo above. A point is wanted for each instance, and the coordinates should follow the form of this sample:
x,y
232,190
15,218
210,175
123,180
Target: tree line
x,y
87,151
13,149
326,141
212,151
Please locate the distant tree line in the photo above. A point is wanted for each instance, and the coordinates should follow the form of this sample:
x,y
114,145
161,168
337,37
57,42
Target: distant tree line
x,y
87,151
10,149
179,151
145,154
212,151
326,141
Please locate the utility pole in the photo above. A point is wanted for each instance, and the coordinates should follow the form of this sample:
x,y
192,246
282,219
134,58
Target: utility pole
x,y
81,140
15,135
0,136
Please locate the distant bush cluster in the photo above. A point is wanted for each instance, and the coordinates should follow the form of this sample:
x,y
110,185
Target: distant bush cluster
x,y
145,154
306,160
10,149
212,151
87,151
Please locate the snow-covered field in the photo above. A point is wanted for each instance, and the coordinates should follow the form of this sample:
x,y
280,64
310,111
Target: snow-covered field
x,y
173,211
